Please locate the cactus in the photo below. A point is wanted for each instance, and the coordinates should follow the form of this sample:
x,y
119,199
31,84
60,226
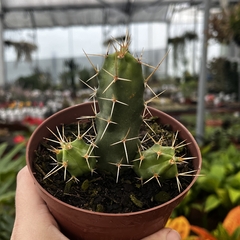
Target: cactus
x,y
74,156
117,146
120,99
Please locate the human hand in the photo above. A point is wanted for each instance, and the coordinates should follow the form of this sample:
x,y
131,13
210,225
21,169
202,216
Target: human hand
x,y
34,221
164,234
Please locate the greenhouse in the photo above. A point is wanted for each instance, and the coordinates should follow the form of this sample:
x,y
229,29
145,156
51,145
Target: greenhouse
x,y
53,55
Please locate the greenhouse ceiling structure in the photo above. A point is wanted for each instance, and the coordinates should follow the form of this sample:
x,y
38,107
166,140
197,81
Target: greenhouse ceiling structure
x,y
35,14
19,14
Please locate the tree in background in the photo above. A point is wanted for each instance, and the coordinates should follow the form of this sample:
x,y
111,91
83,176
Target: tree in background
x,y
37,80
68,77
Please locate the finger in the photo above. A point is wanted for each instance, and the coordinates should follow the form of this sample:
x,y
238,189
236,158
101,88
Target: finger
x,y
164,234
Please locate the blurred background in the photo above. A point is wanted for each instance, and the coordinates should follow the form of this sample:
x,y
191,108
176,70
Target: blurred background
x,y
43,48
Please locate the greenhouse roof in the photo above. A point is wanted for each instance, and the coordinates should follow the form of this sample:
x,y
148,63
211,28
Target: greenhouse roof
x,y
19,14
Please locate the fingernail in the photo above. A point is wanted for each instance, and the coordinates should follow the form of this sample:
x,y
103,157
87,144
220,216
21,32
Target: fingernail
x,y
173,235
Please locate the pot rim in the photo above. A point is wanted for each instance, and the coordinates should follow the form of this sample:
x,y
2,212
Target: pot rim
x,y
193,142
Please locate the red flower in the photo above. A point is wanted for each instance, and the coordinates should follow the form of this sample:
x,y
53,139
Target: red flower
x,y
19,139
32,121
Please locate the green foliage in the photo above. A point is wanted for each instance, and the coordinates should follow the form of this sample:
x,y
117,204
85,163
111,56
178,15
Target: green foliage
x,y
11,161
219,27
189,85
219,187
217,191
234,23
224,25
220,233
220,137
224,75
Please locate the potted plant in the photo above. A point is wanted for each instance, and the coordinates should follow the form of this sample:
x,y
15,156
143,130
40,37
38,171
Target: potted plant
x,y
224,25
107,161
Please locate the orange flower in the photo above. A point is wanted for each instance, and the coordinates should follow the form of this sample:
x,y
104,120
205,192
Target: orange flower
x,y
181,225
202,233
232,220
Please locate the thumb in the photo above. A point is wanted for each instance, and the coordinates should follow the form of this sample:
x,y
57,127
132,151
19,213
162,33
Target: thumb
x,y
164,234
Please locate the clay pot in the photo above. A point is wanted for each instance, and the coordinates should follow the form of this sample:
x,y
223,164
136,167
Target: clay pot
x,y
77,223
214,122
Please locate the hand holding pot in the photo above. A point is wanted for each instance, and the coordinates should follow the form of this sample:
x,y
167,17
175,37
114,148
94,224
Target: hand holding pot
x,y
34,221
164,234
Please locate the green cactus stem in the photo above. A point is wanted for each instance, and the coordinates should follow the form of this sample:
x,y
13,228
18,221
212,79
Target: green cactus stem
x,y
157,162
120,99
74,156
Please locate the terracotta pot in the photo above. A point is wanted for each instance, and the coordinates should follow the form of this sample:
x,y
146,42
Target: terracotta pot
x,y
214,122
77,223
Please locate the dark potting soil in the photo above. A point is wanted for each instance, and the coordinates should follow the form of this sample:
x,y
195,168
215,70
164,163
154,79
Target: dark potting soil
x,y
100,192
